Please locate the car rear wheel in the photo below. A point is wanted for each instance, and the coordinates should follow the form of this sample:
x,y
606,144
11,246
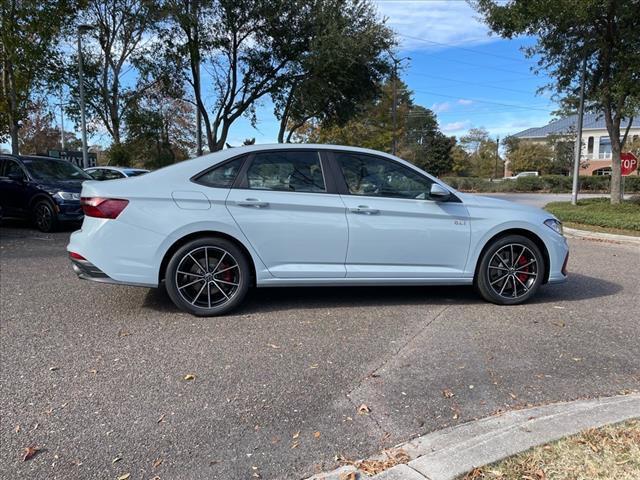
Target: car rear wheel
x,y
44,216
511,271
208,276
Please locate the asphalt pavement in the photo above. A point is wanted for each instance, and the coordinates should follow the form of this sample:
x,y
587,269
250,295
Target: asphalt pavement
x,y
94,375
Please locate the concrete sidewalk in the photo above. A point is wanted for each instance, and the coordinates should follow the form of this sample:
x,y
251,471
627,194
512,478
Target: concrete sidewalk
x,y
445,454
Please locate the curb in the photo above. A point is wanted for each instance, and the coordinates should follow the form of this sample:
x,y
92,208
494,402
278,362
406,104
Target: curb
x,y
448,453
610,237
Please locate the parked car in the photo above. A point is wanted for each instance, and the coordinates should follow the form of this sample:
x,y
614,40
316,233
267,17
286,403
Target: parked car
x,y
114,173
522,174
310,215
45,190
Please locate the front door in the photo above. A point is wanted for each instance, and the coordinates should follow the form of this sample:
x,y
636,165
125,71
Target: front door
x,y
13,193
284,208
395,231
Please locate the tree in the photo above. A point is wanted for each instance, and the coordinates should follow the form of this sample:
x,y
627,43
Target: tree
x,y
602,33
38,135
563,154
424,144
109,54
341,70
461,165
159,132
482,152
246,46
29,56
372,127
530,156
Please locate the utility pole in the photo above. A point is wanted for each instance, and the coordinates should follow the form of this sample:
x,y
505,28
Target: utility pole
x,y
61,120
495,169
578,146
394,107
198,122
85,155
394,100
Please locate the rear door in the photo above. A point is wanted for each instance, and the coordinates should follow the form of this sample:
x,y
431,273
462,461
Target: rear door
x,y
395,230
14,195
288,209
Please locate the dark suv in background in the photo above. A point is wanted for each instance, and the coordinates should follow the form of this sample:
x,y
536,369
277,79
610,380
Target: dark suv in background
x,y
45,190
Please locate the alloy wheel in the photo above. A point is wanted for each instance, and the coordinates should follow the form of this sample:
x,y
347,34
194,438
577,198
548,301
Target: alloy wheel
x,y
44,217
512,271
207,277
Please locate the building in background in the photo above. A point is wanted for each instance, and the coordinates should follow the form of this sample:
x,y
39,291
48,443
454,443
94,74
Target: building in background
x,y
596,145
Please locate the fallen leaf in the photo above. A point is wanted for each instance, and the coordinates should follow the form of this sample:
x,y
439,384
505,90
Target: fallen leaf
x,y
275,347
94,371
53,369
317,434
124,477
447,393
348,476
296,435
116,460
161,419
295,445
315,365
29,452
124,333
157,463
17,429
189,376
512,395
363,409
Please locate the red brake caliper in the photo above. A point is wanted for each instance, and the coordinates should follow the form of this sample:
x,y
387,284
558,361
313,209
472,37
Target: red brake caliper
x,y
522,276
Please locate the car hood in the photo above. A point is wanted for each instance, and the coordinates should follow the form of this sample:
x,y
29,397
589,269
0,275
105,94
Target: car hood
x,y
480,201
73,186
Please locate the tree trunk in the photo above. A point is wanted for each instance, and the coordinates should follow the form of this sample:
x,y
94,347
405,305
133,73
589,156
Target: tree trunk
x,y
14,138
613,128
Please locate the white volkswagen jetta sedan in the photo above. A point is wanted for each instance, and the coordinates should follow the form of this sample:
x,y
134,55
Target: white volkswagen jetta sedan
x,y
285,215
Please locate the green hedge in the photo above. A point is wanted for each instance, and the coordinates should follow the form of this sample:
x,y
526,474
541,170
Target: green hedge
x,y
599,212
545,183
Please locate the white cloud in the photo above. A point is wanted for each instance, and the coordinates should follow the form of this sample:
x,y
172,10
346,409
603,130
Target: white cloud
x,y
464,101
456,127
441,22
441,107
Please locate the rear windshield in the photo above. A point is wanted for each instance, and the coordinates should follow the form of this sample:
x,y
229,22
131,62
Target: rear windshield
x,y
47,169
135,173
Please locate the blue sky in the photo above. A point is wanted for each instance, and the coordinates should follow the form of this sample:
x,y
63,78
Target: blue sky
x,y
467,77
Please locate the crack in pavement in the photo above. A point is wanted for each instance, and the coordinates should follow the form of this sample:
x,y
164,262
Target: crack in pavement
x,y
388,359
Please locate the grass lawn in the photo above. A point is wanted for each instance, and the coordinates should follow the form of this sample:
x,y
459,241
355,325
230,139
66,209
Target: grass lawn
x,y
599,213
607,453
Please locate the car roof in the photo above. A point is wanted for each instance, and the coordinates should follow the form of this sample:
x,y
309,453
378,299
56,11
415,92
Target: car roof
x,y
120,169
29,157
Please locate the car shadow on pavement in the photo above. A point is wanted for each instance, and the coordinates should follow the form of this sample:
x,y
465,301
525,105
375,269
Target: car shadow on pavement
x,y
577,287
264,300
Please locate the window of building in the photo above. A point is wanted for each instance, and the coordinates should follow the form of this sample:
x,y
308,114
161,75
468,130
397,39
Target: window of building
x,y
605,145
590,145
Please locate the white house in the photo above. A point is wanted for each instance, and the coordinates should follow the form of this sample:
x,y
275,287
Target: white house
x,y
596,145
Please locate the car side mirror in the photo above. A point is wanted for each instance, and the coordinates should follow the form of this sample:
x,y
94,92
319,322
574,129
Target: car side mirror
x,y
16,177
438,193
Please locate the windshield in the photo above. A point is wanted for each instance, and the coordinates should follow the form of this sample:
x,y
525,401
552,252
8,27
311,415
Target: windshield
x,y
47,169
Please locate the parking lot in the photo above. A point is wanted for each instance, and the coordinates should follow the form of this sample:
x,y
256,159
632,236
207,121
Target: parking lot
x,y
94,375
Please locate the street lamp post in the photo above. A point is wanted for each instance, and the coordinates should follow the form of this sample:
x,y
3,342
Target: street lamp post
x,y
85,155
394,101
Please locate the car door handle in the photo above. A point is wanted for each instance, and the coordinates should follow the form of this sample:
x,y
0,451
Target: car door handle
x,y
364,210
252,202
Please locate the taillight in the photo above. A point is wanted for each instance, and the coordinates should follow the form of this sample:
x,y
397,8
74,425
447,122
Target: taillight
x,y
76,256
103,207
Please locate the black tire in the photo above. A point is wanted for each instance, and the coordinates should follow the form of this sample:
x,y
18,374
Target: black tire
x,y
208,294
45,216
511,263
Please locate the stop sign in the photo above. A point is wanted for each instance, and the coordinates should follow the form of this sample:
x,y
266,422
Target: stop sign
x,y
629,163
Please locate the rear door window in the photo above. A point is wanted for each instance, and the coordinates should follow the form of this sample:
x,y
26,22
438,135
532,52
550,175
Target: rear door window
x,y
292,171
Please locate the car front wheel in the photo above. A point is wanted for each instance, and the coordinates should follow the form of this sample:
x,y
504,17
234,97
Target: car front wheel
x,y
511,271
44,216
208,276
